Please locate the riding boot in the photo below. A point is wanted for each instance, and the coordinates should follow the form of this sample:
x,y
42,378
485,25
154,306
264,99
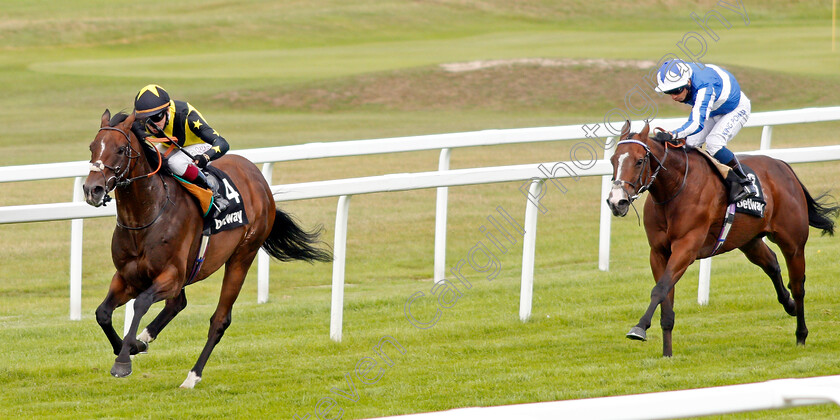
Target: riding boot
x,y
740,186
219,202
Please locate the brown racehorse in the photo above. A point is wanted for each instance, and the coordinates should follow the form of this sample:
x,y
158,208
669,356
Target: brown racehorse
x,y
157,237
684,213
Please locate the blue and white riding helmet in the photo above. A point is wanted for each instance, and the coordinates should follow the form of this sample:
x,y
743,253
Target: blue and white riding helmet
x,y
673,74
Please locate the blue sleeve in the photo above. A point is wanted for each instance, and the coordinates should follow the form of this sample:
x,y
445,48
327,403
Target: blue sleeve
x,y
699,113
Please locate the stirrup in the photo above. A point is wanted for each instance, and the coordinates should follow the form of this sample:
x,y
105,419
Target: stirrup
x,y
220,204
739,192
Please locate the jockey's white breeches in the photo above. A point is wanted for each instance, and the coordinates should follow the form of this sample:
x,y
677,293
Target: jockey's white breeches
x,y
719,129
178,161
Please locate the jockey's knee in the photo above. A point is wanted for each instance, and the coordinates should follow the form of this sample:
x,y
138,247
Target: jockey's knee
x,y
716,142
721,153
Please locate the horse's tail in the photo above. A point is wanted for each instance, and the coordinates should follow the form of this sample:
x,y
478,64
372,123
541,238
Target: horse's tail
x,y
821,211
288,241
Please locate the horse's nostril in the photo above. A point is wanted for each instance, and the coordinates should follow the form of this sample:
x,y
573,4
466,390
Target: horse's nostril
x,y
98,189
623,202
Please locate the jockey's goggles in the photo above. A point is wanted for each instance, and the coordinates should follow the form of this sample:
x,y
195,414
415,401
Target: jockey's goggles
x,y
158,117
675,91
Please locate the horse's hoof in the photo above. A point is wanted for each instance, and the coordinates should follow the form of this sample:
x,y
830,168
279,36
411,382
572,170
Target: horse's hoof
x,y
121,369
191,381
637,333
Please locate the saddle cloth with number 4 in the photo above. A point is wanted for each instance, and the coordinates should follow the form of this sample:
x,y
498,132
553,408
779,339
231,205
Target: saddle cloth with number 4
x,y
234,216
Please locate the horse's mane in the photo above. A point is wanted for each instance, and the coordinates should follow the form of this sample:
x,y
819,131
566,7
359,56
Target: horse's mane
x,y
687,147
118,118
148,150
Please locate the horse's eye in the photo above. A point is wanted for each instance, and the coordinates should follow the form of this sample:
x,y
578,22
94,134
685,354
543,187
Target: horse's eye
x,y
121,150
639,162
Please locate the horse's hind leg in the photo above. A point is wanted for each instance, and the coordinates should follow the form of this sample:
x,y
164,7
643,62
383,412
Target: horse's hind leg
x,y
796,274
115,298
231,285
792,244
172,308
761,255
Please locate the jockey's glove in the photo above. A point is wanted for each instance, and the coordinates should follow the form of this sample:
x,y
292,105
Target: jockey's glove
x,y
202,160
665,136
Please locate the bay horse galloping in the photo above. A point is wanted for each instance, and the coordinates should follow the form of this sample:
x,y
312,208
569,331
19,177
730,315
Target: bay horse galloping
x,y
684,214
156,242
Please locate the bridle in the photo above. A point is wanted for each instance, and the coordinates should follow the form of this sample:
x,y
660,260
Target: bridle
x,y
119,173
640,186
119,177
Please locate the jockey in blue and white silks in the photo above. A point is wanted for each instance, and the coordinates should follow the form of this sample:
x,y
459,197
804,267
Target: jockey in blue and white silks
x,y
718,112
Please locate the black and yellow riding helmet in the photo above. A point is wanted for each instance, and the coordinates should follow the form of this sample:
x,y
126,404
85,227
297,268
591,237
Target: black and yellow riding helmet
x,y
151,100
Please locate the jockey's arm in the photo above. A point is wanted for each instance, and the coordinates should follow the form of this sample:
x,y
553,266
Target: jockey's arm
x,y
699,113
218,145
139,130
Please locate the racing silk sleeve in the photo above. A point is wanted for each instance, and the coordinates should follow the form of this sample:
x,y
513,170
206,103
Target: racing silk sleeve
x,y
139,130
196,124
699,112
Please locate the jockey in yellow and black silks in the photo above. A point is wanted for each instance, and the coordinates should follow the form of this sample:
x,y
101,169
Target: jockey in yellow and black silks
x,y
159,116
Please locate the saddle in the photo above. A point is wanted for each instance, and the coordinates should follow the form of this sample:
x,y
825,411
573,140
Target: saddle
x,y
753,206
234,216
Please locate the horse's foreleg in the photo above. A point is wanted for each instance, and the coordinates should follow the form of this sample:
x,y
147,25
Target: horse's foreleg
x,y
231,285
658,261
130,345
115,298
683,253
172,308
666,321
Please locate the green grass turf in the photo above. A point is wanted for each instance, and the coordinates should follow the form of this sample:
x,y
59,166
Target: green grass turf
x,y
270,73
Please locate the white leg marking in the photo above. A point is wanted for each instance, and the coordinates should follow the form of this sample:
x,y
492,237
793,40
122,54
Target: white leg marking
x,y
144,336
191,381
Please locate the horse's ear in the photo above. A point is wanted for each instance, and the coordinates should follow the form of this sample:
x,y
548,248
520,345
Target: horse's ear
x,y
625,131
106,118
645,131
